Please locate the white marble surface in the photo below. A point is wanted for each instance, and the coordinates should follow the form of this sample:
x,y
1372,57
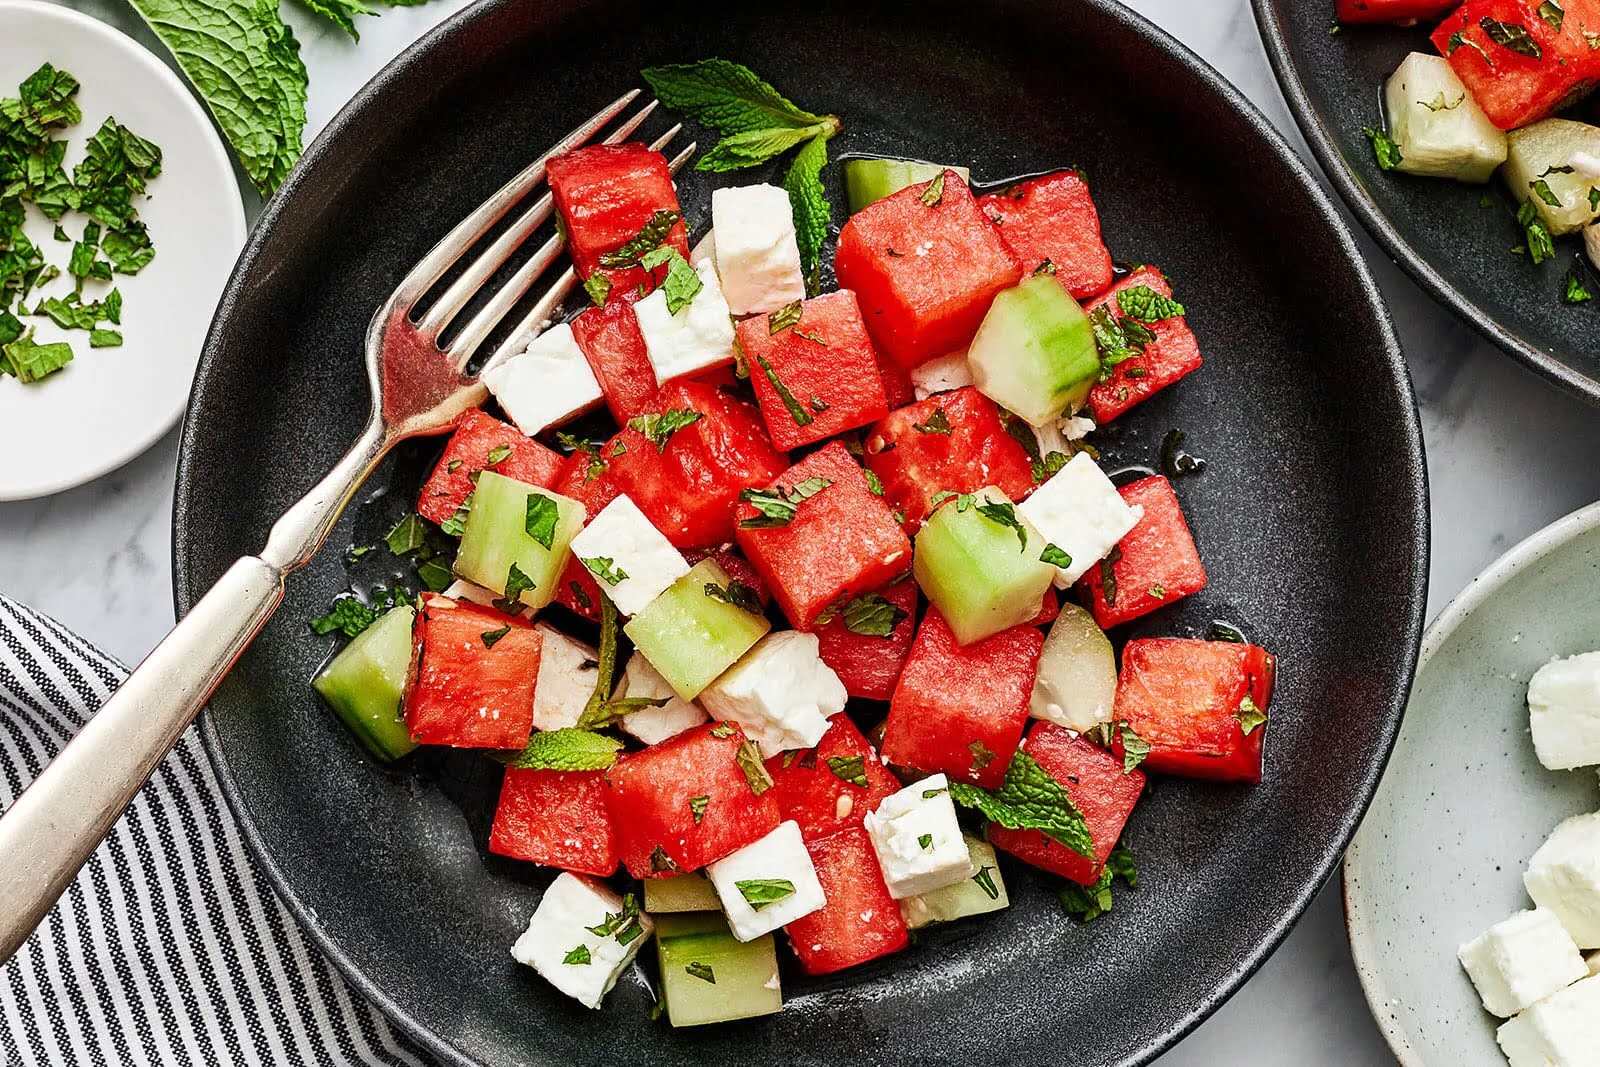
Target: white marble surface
x,y
1506,454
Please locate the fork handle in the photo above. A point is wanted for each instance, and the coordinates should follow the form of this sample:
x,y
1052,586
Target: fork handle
x,y
49,832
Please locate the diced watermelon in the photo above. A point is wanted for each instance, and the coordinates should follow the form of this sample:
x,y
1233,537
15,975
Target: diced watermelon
x,y
555,818
689,487
961,447
475,669
1049,608
737,567
1053,218
867,664
585,477
1153,566
653,796
1403,11
819,787
610,339
925,264
958,708
1173,354
606,194
1539,69
477,438
1187,700
898,390
860,921
841,541
1099,788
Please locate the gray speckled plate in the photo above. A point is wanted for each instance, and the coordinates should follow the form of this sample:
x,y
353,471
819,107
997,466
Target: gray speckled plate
x,y
1465,803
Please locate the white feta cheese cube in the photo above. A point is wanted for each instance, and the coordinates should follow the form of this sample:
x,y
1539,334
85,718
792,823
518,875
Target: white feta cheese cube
x,y
568,672
918,840
1557,1032
561,944
757,257
1080,512
546,383
652,725
941,375
697,338
1521,960
632,561
1564,711
780,692
1564,876
461,589
768,883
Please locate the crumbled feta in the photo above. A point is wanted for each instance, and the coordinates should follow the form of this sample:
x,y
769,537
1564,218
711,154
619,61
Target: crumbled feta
x,y
918,840
568,672
941,375
780,856
621,544
1564,711
1080,512
757,257
780,692
652,725
697,338
563,927
546,383
1559,1031
1564,876
461,589
1521,960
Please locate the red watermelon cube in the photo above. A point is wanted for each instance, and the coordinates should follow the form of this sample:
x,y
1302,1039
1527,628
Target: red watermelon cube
x,y
1053,219
959,708
586,477
1173,354
1400,11
821,788
610,339
478,438
474,674
556,819
866,661
815,376
689,801
898,390
1153,566
925,264
860,921
1200,705
1049,608
1099,788
606,194
1518,65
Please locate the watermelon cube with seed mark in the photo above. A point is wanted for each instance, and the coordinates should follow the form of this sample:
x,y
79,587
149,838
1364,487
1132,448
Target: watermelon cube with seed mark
x,y
475,670
1053,219
861,921
821,788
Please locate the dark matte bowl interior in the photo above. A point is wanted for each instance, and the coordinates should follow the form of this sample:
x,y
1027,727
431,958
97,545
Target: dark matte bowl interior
x,y
1311,517
1442,233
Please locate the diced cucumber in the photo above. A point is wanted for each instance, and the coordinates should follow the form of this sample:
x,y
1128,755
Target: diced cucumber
x,y
685,892
691,633
707,976
366,682
867,181
984,892
975,568
1034,353
1077,680
1541,168
496,538
1440,130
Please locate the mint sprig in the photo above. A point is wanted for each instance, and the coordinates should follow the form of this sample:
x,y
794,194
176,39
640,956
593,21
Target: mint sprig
x,y
1029,799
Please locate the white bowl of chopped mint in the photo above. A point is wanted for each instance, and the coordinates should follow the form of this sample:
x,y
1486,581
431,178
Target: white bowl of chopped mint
x,y
120,220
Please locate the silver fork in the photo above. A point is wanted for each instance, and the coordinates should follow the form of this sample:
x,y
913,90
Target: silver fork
x,y
49,832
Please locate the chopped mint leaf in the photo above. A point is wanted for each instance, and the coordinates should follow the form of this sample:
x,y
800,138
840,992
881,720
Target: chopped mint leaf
x,y
1552,13
698,806
702,971
938,423
1249,716
1054,556
874,483
933,192
492,637
1540,244
408,535
1384,149
784,317
777,506
577,956
808,199
850,769
737,593
660,862
1576,291
755,772
347,615
929,794
598,286
925,841
981,756
1144,304
604,568
1542,190
1158,591
870,615
1029,799
540,520
799,414
658,428
1108,577
567,749
1513,36
496,455
682,283
759,892
29,362
985,881
1438,103
457,523
435,575
723,729
1135,749
517,583
1004,514
649,238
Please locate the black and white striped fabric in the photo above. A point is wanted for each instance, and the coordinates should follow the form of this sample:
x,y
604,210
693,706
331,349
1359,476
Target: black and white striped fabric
x,y
171,947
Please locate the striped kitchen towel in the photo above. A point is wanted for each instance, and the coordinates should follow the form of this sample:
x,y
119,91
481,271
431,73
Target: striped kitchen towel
x,y
171,947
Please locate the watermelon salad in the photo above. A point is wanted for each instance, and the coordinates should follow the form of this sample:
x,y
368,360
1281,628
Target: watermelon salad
x,y
1501,92
813,633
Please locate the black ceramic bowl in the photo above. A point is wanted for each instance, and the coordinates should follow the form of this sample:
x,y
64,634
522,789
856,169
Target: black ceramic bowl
x,y
1311,517
1452,241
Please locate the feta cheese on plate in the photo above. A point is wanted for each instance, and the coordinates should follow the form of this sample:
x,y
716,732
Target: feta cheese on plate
x,y
1080,512
918,840
568,671
461,589
704,250
1521,960
1564,876
941,375
1564,711
652,725
780,692
757,257
562,945
632,561
697,338
768,883
546,383
1559,1031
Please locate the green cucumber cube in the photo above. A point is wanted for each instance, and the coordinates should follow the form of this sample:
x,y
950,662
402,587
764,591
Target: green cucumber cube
x,y
690,634
866,181
685,892
366,682
707,976
496,538
984,892
1540,168
1440,130
974,567
1034,353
